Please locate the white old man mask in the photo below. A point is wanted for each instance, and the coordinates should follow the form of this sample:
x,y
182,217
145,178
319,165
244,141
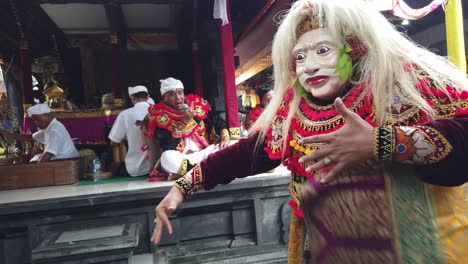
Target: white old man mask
x,y
316,55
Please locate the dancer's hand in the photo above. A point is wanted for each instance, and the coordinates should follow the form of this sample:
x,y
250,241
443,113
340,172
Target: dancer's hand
x,y
164,209
345,148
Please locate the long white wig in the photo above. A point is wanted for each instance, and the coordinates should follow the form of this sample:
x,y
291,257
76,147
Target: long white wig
x,y
388,52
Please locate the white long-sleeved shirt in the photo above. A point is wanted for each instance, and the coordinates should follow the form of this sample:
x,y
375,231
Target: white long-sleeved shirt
x,y
57,141
136,160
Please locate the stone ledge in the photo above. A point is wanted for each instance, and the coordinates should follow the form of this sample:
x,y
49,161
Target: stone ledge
x,y
89,244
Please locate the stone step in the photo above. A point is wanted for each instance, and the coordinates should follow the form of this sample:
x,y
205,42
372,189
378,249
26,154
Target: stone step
x,y
247,255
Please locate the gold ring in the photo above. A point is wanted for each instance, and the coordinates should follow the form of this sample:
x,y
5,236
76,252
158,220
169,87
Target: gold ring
x,y
327,161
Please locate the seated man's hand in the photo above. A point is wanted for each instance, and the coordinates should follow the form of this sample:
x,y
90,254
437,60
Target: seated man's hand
x,y
225,139
159,167
157,173
117,168
143,124
46,157
174,176
188,115
224,143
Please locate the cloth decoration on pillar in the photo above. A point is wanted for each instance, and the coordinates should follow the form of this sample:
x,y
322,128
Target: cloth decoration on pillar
x,y
403,10
137,89
220,11
34,81
170,84
39,109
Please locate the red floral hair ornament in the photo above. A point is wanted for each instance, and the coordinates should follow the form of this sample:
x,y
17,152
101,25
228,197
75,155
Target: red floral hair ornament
x,y
358,49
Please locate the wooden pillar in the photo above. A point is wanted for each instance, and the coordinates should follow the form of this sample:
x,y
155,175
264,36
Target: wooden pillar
x,y
197,70
25,59
26,74
116,58
227,53
87,69
455,34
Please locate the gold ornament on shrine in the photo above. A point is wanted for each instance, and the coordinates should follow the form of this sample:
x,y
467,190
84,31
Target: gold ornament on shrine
x,y
55,97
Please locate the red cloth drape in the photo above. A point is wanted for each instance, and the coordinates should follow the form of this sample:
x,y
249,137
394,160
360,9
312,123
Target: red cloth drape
x,y
197,72
91,132
26,74
227,53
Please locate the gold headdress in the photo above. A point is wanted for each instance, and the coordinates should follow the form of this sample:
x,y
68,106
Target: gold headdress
x,y
315,20
312,20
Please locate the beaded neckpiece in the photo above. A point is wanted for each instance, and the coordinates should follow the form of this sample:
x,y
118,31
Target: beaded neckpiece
x,y
312,119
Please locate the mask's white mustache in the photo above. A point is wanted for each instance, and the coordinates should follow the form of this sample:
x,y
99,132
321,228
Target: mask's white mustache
x,y
321,72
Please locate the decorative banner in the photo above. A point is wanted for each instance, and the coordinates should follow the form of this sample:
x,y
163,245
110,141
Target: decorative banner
x,y
152,41
403,10
220,11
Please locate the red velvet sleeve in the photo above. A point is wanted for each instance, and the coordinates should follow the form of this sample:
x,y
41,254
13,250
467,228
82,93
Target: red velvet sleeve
x,y
452,170
240,160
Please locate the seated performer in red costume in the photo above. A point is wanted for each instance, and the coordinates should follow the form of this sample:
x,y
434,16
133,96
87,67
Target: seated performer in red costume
x,y
179,123
265,93
374,130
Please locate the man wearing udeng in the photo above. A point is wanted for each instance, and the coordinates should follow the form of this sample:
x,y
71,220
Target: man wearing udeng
x,y
180,123
52,133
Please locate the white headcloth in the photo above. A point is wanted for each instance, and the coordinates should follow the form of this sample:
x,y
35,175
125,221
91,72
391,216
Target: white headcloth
x,y
39,109
170,84
137,89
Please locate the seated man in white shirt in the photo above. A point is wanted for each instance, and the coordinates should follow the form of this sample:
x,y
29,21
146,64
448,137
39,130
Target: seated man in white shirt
x,y
52,133
136,161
